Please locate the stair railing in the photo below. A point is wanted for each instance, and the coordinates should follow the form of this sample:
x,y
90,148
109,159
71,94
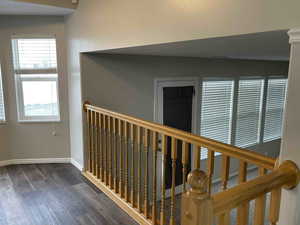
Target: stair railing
x,y
143,167
201,208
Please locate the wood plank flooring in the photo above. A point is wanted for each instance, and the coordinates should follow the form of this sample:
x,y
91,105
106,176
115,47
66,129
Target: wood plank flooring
x,y
54,194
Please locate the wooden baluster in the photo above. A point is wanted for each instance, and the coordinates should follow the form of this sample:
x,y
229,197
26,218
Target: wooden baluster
x,y
115,161
164,151
104,149
243,210
225,171
121,159
174,158
146,146
101,145
139,179
224,219
275,206
197,156
107,150
185,160
260,204
133,145
93,143
111,157
126,160
154,149
97,145
210,168
88,141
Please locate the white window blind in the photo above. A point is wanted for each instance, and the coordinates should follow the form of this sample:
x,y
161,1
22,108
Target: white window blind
x,y
274,109
35,64
33,54
249,110
216,111
2,109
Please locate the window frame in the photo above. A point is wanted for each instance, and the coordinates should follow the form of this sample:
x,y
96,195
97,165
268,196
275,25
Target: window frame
x,y
261,112
263,104
216,79
3,93
263,140
20,76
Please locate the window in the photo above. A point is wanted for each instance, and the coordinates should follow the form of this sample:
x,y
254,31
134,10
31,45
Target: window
x,y
274,109
216,111
2,109
35,67
234,111
249,110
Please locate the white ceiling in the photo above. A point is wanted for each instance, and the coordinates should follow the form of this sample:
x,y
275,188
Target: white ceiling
x,y
261,46
8,7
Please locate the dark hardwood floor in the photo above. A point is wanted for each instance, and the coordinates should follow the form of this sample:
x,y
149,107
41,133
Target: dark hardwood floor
x,y
54,194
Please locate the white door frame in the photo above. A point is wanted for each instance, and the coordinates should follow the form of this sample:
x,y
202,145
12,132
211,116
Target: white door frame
x,y
159,84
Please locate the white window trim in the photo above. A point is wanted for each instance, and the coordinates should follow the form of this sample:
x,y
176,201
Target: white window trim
x,y
2,122
227,78
20,104
18,83
235,105
265,107
160,83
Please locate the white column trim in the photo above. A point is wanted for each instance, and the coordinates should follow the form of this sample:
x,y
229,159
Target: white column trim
x,y
294,35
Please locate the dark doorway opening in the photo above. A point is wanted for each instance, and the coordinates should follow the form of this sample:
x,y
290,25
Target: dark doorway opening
x,y
177,113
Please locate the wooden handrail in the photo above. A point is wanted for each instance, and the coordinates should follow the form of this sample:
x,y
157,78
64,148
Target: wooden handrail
x,y
287,175
229,150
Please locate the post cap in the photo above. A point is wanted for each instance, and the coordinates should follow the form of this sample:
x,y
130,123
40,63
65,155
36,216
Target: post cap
x,y
198,181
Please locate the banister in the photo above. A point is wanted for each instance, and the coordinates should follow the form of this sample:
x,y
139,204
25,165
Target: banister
x,y
287,176
229,150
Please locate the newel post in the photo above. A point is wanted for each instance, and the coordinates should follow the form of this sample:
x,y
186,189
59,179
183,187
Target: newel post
x,y
196,202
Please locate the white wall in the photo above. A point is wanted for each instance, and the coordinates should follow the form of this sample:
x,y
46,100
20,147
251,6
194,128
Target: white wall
x,y
32,140
99,24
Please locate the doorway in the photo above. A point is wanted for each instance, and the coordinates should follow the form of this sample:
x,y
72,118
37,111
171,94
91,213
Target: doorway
x,y
175,106
177,113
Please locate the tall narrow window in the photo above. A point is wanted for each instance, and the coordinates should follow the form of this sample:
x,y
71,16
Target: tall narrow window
x,y
249,110
216,111
35,67
274,109
2,109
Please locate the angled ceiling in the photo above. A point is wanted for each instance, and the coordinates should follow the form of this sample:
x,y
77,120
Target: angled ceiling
x,y
9,7
272,45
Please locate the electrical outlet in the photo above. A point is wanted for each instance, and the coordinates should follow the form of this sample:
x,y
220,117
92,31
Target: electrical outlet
x,y
74,1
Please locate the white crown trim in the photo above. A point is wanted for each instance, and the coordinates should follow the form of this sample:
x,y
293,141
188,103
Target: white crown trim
x,y
294,35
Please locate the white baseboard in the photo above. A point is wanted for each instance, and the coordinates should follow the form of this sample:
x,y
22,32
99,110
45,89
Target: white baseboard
x,y
76,164
41,161
34,161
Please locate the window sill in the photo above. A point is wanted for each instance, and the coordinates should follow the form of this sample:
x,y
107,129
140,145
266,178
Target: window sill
x,y
39,121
